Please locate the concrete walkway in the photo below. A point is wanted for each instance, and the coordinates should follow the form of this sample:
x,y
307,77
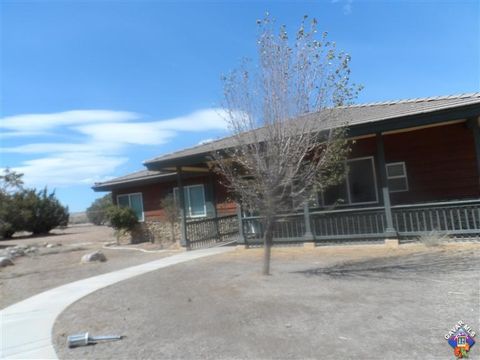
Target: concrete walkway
x,y
26,327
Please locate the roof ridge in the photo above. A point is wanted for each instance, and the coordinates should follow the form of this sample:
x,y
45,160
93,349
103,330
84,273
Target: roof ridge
x,y
414,100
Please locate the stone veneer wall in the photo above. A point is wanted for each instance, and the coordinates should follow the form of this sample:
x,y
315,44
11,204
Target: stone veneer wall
x,y
158,232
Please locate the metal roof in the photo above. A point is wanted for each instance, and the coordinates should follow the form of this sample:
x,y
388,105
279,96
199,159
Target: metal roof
x,y
350,116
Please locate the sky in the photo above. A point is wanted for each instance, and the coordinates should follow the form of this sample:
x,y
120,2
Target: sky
x,y
91,89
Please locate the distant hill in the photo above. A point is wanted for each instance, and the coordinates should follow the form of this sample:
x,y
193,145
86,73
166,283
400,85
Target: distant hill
x,y
78,218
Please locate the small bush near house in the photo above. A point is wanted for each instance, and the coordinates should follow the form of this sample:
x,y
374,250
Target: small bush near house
x,y
433,238
122,219
97,212
171,212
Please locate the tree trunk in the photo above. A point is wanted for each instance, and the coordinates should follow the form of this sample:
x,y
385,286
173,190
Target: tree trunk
x,y
267,247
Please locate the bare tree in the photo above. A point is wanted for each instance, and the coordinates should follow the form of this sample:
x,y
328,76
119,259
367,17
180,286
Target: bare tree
x,y
287,142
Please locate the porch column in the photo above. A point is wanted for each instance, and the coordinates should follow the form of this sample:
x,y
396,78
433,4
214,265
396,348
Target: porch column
x,y
213,193
183,219
241,235
308,236
390,230
213,190
473,124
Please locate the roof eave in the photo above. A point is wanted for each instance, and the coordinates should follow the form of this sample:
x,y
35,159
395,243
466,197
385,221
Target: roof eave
x,y
100,187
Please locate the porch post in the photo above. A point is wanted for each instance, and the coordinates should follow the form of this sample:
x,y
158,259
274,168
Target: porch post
x,y
213,192
308,236
241,236
473,123
183,219
390,232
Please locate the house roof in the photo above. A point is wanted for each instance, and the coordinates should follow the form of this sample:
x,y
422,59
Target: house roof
x,y
351,116
143,176
354,116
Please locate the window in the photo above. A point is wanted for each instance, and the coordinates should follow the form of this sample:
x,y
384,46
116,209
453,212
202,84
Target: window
x,y
133,201
397,177
194,195
359,187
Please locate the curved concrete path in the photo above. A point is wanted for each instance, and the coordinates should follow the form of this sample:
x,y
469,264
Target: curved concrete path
x,y
26,327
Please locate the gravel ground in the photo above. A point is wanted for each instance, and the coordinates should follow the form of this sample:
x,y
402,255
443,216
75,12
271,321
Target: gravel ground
x,y
60,265
328,303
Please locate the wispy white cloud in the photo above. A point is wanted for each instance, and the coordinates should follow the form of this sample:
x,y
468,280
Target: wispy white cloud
x,y
45,148
68,168
347,6
33,124
104,139
197,121
137,134
155,132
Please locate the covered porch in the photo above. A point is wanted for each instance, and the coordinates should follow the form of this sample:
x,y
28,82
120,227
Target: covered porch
x,y
408,183
414,168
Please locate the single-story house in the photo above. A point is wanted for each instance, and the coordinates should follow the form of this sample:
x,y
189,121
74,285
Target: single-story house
x,y
414,168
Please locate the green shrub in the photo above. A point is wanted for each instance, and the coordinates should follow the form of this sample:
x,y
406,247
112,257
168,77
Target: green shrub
x,y
122,219
42,211
10,211
6,230
12,214
171,213
97,212
29,210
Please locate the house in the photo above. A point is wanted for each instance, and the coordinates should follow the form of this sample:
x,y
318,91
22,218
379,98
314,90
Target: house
x,y
414,168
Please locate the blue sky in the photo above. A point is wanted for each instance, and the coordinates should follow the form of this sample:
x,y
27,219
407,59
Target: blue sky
x,y
90,89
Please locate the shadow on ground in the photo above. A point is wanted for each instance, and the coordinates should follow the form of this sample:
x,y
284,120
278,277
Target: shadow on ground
x,y
398,267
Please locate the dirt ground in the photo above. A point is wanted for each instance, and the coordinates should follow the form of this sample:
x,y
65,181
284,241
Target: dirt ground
x,y
328,303
60,265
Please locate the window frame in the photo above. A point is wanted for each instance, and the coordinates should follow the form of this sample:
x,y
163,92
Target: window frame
x,y
130,203
403,176
347,184
188,206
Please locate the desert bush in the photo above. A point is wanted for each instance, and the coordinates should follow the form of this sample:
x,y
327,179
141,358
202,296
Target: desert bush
x,y
6,228
41,211
27,209
433,238
10,213
15,213
97,212
122,219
